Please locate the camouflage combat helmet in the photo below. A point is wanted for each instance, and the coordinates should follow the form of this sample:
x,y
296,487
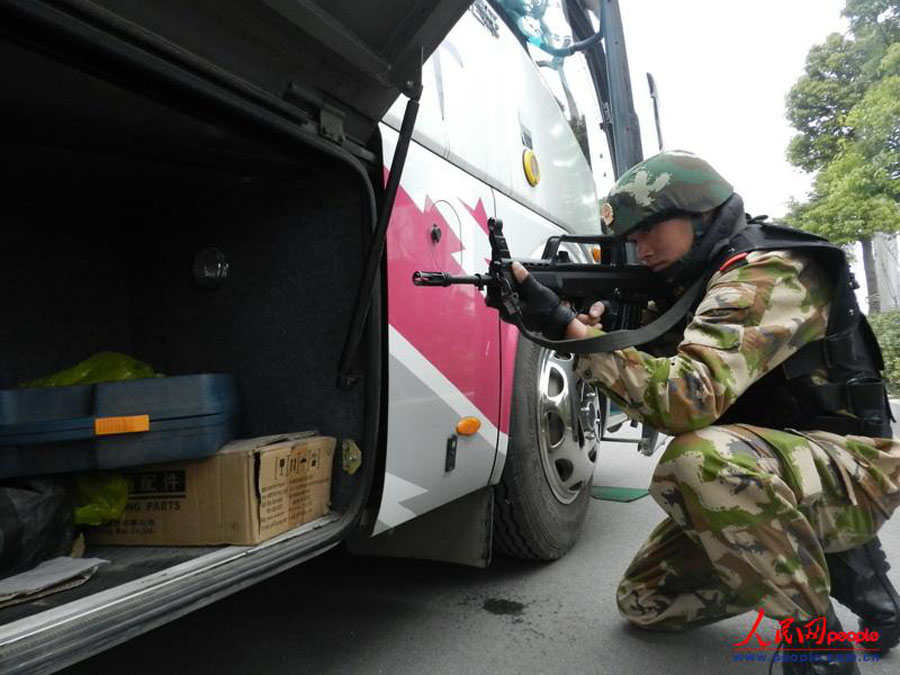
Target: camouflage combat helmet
x,y
662,187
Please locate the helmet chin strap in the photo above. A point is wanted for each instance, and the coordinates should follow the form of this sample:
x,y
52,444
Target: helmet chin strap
x,y
698,225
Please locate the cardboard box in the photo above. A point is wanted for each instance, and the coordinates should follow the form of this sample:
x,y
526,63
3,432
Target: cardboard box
x,y
250,491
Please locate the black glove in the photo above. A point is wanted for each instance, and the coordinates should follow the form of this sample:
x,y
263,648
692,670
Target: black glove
x,y
542,310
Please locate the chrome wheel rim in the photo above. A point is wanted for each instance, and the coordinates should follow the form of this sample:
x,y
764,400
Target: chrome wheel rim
x,y
569,425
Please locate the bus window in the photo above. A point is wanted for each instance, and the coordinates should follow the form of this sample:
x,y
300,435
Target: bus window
x,y
567,77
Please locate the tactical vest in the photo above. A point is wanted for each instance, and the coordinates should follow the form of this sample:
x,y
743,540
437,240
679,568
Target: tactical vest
x,y
854,398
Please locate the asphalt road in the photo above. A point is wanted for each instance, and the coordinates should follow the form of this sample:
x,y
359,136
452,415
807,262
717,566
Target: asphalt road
x,y
348,615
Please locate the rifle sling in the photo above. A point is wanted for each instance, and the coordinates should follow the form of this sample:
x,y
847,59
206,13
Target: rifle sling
x,y
621,339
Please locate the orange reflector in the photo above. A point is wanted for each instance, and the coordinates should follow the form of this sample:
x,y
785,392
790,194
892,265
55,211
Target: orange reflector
x,y
597,252
105,426
468,426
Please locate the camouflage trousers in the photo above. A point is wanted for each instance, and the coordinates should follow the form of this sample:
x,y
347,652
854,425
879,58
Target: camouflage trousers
x,y
751,514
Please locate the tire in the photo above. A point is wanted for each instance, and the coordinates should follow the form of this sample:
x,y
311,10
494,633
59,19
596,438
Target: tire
x,y
544,493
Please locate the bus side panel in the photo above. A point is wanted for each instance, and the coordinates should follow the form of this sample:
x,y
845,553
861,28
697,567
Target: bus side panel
x,y
443,343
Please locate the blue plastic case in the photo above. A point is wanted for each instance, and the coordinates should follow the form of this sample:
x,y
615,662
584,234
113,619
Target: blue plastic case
x,y
55,429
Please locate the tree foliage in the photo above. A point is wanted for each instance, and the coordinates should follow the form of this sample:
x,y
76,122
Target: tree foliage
x,y
846,108
876,119
838,75
878,17
852,200
818,104
887,329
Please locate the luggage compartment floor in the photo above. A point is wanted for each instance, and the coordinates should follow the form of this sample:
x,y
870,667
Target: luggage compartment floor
x,y
126,563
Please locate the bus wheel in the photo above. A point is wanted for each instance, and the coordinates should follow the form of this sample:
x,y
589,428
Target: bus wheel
x,y
543,496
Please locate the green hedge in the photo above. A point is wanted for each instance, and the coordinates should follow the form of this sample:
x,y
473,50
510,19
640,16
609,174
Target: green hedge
x,y
887,328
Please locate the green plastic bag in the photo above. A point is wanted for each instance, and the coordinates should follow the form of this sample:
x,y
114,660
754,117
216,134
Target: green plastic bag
x,y
102,367
99,498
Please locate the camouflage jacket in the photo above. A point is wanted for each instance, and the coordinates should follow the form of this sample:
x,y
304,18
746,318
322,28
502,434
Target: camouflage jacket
x,y
751,319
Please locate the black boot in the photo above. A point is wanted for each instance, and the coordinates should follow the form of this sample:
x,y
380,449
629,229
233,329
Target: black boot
x,y
859,581
839,662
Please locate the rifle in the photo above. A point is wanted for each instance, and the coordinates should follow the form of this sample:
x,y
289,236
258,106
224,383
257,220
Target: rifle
x,y
624,287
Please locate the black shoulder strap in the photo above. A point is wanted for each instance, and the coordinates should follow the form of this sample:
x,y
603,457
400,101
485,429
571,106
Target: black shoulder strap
x,y
844,315
753,237
621,339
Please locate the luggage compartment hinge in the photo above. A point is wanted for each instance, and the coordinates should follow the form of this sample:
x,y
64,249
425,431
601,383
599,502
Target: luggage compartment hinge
x,y
311,103
331,124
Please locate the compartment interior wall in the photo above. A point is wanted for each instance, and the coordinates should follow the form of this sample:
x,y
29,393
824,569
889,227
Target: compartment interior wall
x,y
78,278
99,239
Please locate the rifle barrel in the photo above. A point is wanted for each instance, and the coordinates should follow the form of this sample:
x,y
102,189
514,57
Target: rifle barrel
x,y
442,279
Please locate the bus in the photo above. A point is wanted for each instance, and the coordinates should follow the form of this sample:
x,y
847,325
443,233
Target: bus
x,y
246,188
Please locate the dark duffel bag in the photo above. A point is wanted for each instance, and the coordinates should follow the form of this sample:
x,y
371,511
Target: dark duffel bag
x,y
36,523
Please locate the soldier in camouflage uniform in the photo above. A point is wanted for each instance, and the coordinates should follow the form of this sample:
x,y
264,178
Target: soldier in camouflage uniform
x,y
761,497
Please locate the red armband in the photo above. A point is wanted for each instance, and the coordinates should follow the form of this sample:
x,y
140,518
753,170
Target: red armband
x,y
732,260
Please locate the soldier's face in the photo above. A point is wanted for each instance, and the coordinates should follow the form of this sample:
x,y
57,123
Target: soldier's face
x,y
664,243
